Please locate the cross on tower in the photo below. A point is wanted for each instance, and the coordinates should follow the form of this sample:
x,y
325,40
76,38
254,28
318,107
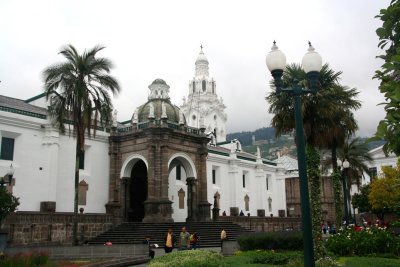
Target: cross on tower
x,y
201,47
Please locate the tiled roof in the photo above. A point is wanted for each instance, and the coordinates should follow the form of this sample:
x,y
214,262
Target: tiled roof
x,y
19,104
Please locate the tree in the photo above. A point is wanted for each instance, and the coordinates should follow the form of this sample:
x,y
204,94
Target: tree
x,y
327,119
356,153
78,90
389,75
8,203
385,192
361,201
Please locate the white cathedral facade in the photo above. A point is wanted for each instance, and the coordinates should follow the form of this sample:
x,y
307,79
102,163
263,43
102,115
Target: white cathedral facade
x,y
43,159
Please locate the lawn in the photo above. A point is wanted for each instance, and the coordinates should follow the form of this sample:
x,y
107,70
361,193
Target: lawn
x,y
243,260
369,261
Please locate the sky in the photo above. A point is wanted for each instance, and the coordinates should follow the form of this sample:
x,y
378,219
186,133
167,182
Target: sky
x,y
154,39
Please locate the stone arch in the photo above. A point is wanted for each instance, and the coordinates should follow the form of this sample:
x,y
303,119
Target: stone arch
x,y
128,164
184,160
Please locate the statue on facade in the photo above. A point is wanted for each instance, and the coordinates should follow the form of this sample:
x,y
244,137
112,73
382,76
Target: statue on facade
x,y
135,116
258,152
181,119
151,111
163,110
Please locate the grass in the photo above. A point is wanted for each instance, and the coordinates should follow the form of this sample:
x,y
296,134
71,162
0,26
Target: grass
x,y
369,261
243,260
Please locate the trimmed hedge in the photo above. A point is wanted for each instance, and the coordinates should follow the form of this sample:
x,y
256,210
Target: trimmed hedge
x,y
284,240
188,258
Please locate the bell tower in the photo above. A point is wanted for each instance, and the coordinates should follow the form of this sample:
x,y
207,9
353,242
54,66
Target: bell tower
x,y
202,108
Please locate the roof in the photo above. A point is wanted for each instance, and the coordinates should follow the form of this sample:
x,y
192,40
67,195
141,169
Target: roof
x,y
287,162
19,106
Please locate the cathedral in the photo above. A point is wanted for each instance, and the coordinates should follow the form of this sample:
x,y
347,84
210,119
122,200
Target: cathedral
x,y
167,163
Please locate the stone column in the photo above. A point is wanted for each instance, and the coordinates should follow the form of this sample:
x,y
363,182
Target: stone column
x,y
204,207
51,142
191,187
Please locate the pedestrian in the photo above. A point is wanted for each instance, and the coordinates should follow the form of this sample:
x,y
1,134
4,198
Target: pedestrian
x,y
224,213
194,240
184,240
241,213
223,237
108,243
151,251
169,241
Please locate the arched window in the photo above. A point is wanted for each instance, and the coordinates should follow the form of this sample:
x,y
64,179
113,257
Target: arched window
x,y
270,204
246,202
203,85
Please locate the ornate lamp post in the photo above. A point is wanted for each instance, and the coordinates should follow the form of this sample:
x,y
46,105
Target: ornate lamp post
x,y
312,64
345,165
9,175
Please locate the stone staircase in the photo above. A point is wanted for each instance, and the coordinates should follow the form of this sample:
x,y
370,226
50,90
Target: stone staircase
x,y
135,232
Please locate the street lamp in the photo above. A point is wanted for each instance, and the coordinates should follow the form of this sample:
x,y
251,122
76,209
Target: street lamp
x,y
9,175
345,164
312,64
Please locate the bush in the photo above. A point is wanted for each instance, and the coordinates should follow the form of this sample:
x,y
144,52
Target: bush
x,y
27,260
268,257
188,258
366,242
275,240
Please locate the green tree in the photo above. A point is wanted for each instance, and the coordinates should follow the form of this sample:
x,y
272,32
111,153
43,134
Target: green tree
x,y
78,90
389,75
361,201
327,119
385,192
8,203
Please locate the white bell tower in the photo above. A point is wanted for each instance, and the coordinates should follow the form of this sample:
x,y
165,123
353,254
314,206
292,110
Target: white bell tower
x,y
202,105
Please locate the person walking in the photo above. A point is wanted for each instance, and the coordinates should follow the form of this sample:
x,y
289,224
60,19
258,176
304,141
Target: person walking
x,y
194,240
184,240
223,237
169,241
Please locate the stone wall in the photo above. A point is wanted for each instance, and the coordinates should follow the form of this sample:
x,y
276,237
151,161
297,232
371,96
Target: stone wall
x,y
264,224
32,228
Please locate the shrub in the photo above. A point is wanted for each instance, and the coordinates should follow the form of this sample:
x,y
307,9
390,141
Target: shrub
x,y
188,258
31,259
274,240
268,257
366,242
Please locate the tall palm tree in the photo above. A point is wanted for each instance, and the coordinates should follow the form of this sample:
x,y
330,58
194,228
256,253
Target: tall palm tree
x,y
78,90
356,153
327,117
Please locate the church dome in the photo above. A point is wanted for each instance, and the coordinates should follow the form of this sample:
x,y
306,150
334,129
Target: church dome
x,y
172,111
158,105
201,58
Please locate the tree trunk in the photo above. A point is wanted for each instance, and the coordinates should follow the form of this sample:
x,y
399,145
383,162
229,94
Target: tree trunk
x,y
314,176
75,223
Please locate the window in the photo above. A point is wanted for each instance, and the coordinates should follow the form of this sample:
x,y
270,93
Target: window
x,y
7,148
82,191
244,180
178,172
181,196
270,204
213,177
194,86
246,203
82,160
268,182
203,85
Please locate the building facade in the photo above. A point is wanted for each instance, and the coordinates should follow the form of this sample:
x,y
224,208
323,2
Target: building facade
x,y
166,164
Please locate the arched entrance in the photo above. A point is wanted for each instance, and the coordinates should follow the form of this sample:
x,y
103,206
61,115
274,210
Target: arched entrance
x,y
137,192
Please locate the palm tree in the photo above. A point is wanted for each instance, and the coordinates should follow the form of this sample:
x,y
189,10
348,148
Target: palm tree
x,y
356,153
327,118
78,90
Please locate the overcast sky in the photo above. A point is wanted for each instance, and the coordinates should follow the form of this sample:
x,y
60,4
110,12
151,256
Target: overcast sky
x,y
161,39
